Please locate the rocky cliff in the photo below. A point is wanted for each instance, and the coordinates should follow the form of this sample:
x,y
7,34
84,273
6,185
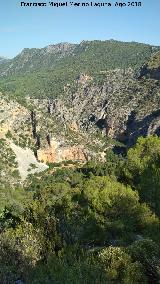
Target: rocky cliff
x,y
123,108
105,108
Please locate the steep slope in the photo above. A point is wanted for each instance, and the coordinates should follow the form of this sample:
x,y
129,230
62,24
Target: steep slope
x,y
84,123
31,133
84,106
122,108
16,162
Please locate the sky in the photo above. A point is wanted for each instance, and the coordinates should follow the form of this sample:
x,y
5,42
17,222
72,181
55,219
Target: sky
x,y
28,27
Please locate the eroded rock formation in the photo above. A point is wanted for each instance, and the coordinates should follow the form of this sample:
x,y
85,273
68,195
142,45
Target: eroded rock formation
x,y
57,153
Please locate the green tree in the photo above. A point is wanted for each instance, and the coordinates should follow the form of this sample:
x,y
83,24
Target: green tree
x,y
147,253
143,170
120,268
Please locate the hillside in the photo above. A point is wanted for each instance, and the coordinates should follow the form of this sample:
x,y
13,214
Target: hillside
x,y
46,71
84,57
108,101
80,160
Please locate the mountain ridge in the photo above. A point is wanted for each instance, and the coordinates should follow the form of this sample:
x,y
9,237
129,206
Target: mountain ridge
x,y
32,59
155,47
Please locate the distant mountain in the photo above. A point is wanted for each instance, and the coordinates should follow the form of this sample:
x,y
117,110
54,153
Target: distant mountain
x,y
88,56
35,58
3,59
45,72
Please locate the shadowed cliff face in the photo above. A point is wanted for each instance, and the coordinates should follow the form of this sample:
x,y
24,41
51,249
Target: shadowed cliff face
x,y
153,73
123,108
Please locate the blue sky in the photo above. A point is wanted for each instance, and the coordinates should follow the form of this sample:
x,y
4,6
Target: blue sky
x,y
38,27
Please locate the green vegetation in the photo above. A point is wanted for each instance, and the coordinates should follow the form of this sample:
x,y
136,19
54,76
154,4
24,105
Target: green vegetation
x,y
98,223
45,75
75,223
8,166
143,170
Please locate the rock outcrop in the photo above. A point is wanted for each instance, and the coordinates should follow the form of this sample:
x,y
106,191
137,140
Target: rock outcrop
x,y
55,154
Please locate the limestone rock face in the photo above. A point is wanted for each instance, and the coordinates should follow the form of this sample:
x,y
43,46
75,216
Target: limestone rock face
x,y
77,126
57,153
12,116
123,108
84,79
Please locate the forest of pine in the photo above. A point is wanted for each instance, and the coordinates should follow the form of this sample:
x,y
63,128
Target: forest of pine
x,y
99,223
